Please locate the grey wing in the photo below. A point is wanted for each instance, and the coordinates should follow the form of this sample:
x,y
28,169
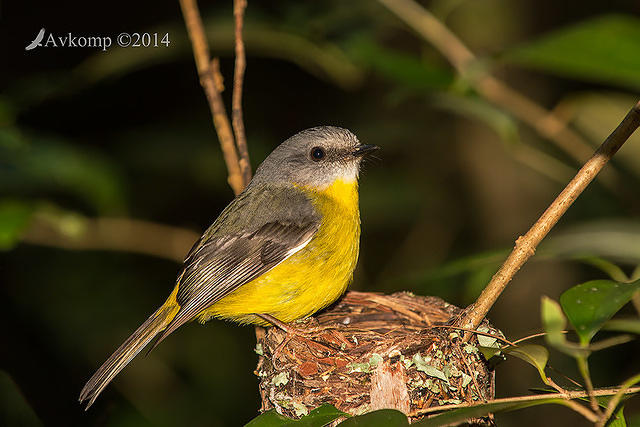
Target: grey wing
x,y
220,265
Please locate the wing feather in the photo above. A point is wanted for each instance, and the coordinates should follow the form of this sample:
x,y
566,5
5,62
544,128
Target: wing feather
x,y
221,261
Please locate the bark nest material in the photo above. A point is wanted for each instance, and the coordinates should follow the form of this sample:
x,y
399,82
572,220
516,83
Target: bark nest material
x,y
371,351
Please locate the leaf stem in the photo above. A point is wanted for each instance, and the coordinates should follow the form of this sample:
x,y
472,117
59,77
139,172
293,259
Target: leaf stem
x,y
583,367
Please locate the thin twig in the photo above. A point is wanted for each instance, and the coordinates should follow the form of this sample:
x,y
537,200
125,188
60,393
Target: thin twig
x,y
530,337
555,385
209,73
526,245
473,331
566,377
494,90
470,372
236,105
568,395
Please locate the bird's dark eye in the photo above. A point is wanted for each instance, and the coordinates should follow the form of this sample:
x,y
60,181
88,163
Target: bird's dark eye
x,y
317,153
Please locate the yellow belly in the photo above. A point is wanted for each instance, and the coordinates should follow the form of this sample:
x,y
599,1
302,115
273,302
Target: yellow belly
x,y
312,278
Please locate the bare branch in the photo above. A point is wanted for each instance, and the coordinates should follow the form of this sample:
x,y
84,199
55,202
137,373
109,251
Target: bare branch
x,y
209,73
236,106
526,245
75,232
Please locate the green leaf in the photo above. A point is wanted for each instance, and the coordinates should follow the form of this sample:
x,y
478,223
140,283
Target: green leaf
x,y
270,418
319,417
381,418
535,355
589,305
14,217
489,352
604,50
554,324
617,420
553,320
423,366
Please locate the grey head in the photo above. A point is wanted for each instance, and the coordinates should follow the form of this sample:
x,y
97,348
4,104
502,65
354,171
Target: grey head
x,y
315,157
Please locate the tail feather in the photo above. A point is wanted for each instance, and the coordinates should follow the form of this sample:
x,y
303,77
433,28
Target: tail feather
x,y
155,324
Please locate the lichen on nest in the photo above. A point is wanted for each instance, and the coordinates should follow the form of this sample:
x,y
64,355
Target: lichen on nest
x,y
371,351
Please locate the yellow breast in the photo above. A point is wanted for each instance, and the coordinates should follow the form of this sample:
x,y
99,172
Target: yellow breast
x,y
312,278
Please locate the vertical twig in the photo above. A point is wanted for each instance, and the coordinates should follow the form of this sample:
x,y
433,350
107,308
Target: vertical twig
x,y
239,167
238,77
526,245
210,79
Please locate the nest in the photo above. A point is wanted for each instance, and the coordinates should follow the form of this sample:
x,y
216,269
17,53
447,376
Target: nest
x,y
372,351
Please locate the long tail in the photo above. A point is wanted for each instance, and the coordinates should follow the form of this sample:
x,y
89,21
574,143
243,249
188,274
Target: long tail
x,y
127,351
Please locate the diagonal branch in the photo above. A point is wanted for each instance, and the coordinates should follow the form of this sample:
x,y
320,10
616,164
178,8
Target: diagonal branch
x,y
526,245
543,121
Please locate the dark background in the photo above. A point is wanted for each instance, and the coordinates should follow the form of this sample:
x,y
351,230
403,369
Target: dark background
x,y
127,133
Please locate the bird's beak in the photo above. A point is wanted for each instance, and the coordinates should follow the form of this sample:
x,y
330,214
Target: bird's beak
x,y
364,149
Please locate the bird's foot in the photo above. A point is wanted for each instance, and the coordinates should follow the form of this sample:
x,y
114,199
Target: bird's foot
x,y
289,328
306,334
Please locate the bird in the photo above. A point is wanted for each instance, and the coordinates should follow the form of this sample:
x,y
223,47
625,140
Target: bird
x,y
37,41
283,249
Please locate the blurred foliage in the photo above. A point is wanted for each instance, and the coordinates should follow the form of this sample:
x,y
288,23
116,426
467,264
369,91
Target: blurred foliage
x,y
128,133
14,410
14,217
597,49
